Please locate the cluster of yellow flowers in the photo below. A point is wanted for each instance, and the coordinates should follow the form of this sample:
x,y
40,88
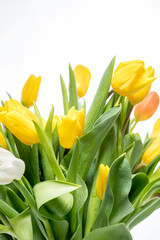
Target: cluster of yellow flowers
x,y
130,79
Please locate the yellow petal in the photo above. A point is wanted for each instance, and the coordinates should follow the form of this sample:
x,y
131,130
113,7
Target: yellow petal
x,y
156,129
30,90
3,141
21,127
81,117
82,77
138,97
14,105
102,180
125,76
68,129
152,151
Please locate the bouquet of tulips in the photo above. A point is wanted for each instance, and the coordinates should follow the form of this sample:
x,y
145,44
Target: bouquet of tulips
x,y
82,175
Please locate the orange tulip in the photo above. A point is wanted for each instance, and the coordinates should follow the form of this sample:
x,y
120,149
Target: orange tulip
x,y
147,107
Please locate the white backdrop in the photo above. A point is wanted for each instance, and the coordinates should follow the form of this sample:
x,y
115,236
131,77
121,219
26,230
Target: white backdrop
x,y
41,37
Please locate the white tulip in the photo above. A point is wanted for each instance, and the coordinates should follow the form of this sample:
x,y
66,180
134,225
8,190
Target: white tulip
x,y
10,167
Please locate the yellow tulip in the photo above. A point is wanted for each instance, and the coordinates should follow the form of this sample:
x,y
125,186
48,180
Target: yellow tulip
x,y
82,78
19,120
156,129
154,149
71,126
102,180
3,141
30,91
132,80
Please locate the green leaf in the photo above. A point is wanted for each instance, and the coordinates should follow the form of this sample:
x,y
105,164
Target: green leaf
x,y
100,98
115,204
24,154
60,229
73,167
9,231
47,146
15,201
106,157
73,99
150,189
151,167
48,127
46,170
55,142
81,196
115,232
142,212
37,113
133,147
7,209
139,181
22,225
65,96
93,141
34,163
55,196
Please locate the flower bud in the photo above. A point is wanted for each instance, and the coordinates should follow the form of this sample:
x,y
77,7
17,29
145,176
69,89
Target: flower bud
x,y
30,91
132,80
147,107
152,151
102,180
82,78
71,126
10,167
19,120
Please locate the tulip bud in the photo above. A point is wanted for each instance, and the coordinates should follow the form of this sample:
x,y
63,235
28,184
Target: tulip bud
x,y
19,120
10,167
30,91
71,126
3,141
152,151
156,129
102,180
132,80
147,107
82,78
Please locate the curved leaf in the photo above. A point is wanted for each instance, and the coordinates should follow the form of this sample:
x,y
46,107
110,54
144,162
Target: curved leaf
x,y
22,225
139,181
114,232
55,197
115,204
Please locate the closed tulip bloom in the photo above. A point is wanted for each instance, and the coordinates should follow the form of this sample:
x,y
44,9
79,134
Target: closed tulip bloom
x,y
147,107
82,78
3,141
71,126
30,91
10,167
19,120
132,80
54,122
102,180
152,151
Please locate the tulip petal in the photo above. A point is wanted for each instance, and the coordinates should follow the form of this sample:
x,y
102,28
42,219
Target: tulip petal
x,y
10,167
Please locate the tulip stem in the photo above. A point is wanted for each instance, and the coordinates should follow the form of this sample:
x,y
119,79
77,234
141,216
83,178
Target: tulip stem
x,y
133,126
126,121
110,93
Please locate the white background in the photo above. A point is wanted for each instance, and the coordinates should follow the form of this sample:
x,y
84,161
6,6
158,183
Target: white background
x,y
42,37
